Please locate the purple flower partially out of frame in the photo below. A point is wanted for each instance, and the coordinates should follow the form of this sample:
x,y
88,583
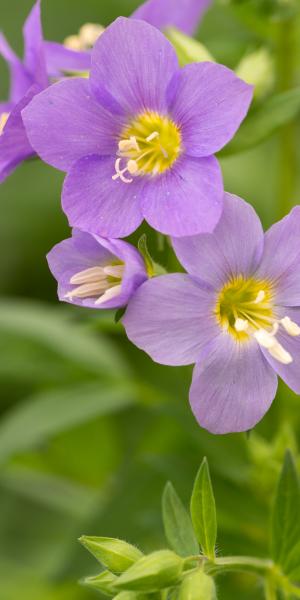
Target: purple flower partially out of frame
x,y
236,314
137,139
28,77
185,15
95,272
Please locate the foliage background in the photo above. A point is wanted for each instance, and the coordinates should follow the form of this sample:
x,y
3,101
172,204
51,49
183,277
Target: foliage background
x,y
90,428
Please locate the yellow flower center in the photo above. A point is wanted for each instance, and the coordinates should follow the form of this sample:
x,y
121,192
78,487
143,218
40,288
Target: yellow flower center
x,y
246,299
245,309
149,145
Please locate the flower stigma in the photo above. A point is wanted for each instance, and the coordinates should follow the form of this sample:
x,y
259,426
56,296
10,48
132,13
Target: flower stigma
x,y
150,145
101,282
245,309
3,120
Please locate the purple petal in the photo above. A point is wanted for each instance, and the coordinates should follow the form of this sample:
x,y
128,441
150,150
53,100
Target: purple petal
x,y
83,251
94,202
14,144
187,199
289,373
281,258
170,317
20,78
232,388
183,14
60,59
65,123
133,63
34,58
234,248
209,103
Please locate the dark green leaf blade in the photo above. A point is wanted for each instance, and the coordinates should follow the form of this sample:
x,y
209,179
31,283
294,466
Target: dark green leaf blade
x,y
177,523
266,119
203,511
285,516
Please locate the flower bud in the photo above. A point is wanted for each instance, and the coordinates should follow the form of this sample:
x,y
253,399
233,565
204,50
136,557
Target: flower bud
x,y
102,582
257,69
197,586
152,573
114,554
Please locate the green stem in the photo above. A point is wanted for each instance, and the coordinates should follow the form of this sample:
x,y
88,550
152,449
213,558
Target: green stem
x,y
287,140
270,589
240,563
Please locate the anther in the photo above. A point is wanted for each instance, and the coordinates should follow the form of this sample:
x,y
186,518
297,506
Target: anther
x,y
3,120
152,136
260,297
291,328
241,324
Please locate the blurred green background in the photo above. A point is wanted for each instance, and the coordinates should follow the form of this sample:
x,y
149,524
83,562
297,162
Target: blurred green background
x,y
90,428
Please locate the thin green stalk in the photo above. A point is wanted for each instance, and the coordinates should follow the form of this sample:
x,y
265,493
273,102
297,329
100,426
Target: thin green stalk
x,y
247,564
287,141
270,589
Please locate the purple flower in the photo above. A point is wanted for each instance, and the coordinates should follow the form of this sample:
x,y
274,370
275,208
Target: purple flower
x,y
182,14
95,272
236,314
28,77
137,139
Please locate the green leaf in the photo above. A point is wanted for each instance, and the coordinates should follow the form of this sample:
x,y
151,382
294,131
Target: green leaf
x,y
197,586
177,523
188,50
152,573
203,511
263,121
292,563
48,413
285,516
116,555
103,583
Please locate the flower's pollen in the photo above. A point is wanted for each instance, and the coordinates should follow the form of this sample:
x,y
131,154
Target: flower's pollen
x,y
291,328
245,309
98,282
85,39
148,146
260,297
3,120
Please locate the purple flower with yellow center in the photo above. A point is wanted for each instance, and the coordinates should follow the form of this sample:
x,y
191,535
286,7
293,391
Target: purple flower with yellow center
x,y
28,77
235,313
137,139
95,272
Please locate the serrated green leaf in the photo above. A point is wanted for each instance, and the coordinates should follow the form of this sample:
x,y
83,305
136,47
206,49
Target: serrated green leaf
x,y
203,511
116,555
151,573
263,121
285,516
177,523
188,50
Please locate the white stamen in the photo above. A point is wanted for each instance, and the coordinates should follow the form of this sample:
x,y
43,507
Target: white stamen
x,y
114,271
132,167
120,173
152,136
89,33
260,297
72,42
291,328
3,120
264,338
88,289
241,324
280,354
88,276
109,294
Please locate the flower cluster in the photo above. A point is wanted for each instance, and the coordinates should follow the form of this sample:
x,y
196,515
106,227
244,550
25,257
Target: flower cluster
x,y
137,136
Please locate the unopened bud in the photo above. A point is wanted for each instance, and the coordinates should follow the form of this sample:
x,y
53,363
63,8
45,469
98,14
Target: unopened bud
x,y
197,586
102,582
114,554
152,573
257,69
